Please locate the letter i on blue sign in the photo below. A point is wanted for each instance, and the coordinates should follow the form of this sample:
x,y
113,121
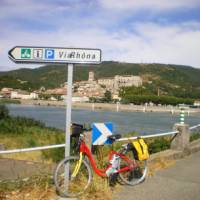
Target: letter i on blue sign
x,y
49,53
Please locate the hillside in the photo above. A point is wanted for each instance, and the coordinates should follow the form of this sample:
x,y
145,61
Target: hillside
x,y
175,80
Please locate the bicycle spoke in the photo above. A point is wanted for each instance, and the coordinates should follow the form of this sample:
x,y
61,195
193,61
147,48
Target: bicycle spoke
x,y
76,184
137,170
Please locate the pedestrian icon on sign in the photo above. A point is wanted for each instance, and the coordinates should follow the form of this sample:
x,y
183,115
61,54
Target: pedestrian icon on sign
x,y
26,53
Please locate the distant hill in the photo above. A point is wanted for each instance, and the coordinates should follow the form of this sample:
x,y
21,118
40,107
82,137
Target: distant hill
x,y
175,80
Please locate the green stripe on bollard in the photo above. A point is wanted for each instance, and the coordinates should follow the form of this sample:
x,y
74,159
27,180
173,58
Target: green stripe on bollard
x,y
182,116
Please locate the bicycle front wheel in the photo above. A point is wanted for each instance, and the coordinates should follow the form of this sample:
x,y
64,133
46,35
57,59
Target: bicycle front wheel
x,y
135,175
70,180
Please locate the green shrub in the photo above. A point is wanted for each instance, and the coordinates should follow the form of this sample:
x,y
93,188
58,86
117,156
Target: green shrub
x,y
32,142
55,154
18,125
159,144
194,136
4,113
141,96
7,101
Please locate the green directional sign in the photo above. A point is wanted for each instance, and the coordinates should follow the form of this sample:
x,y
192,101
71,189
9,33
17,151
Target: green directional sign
x,y
26,53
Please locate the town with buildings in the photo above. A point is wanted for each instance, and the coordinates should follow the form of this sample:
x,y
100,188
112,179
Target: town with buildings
x,y
82,91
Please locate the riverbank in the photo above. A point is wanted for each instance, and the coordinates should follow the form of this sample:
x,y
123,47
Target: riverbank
x,y
111,107
20,132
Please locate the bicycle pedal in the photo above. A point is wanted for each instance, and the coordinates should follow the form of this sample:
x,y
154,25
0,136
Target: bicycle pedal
x,y
113,179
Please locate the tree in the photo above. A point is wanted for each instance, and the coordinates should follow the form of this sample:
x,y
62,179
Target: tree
x,y
107,96
4,113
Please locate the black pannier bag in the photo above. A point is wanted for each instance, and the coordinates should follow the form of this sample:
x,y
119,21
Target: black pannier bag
x,y
76,129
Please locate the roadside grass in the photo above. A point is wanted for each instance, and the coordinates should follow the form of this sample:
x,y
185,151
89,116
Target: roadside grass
x,y
32,138
33,188
158,164
41,188
194,136
99,189
20,132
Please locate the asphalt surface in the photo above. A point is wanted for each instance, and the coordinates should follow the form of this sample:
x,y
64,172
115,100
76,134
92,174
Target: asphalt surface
x,y
13,169
180,181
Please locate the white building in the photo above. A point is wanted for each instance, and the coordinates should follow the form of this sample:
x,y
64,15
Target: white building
x,y
114,84
197,103
89,89
6,92
20,94
80,99
126,81
34,95
107,82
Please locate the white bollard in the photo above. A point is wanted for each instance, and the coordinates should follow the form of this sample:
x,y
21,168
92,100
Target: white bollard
x,y
117,106
93,107
182,116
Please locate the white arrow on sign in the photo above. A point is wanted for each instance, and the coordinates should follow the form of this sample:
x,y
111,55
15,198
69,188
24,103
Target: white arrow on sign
x,y
105,133
27,54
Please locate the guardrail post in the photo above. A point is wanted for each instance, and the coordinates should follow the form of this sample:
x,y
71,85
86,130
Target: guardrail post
x,y
181,140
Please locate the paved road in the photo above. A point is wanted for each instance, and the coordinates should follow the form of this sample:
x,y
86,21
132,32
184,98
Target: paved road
x,y
181,181
14,169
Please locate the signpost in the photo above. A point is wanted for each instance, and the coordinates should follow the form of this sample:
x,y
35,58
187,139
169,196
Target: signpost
x,y
70,56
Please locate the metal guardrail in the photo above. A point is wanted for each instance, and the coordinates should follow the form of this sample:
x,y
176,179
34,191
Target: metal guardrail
x,y
32,149
148,136
63,145
194,127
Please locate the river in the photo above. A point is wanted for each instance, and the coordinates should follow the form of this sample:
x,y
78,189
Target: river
x,y
123,122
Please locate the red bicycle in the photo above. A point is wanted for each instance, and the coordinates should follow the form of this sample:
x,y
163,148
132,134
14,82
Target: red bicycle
x,y
121,164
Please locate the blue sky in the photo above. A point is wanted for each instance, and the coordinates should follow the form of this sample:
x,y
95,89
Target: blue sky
x,y
147,31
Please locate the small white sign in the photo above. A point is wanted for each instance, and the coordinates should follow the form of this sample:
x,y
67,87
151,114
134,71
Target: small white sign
x,y
26,54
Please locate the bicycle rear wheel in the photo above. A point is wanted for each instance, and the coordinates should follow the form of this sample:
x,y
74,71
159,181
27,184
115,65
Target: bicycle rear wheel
x,y
135,175
75,186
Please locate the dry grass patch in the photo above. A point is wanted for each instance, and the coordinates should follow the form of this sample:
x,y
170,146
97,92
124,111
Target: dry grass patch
x,y
42,188
159,163
31,193
99,190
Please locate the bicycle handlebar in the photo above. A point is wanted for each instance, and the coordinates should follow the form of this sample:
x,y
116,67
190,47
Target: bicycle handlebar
x,y
114,137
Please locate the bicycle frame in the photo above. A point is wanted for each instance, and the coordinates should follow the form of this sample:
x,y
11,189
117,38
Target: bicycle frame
x,y
102,172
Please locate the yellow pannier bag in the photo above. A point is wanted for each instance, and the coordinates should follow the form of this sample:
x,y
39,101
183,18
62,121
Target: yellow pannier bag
x,y
140,149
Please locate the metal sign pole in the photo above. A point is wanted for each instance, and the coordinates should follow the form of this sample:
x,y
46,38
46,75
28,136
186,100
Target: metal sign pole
x,y
68,109
68,121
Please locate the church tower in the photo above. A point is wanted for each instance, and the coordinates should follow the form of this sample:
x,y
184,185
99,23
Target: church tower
x,y
91,76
